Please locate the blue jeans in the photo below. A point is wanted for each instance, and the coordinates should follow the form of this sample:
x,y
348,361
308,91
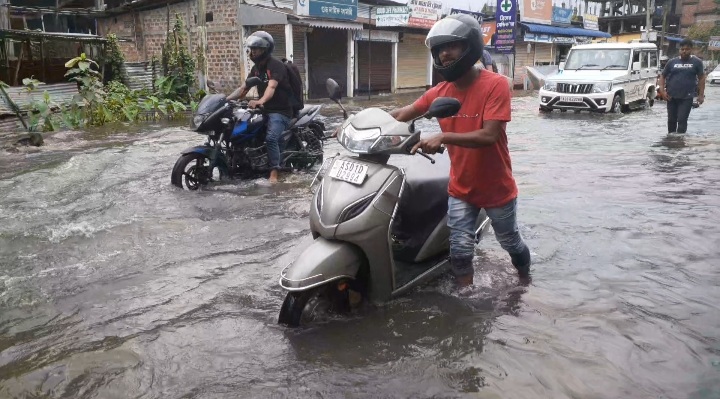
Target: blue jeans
x,y
462,218
678,112
276,125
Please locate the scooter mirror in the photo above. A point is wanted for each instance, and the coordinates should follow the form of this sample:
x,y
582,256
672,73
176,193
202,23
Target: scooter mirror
x,y
443,107
252,81
333,89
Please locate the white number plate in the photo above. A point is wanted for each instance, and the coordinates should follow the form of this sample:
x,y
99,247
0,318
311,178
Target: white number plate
x,y
571,99
351,172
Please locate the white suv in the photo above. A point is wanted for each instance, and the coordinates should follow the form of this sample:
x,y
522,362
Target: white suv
x,y
714,76
603,77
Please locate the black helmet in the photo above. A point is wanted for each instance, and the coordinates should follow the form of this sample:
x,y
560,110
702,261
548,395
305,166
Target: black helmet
x,y
260,39
456,28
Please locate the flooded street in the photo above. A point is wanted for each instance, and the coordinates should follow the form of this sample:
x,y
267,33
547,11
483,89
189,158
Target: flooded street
x,y
115,284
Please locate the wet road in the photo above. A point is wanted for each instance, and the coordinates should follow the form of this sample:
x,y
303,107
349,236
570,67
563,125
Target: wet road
x,y
114,284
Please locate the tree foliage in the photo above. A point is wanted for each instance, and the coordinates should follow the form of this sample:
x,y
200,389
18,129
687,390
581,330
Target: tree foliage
x,y
177,63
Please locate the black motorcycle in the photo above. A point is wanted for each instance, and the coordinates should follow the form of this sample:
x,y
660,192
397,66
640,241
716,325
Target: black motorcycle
x,y
236,142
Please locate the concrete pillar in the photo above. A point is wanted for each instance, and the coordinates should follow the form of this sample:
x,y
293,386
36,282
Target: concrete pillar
x,y
350,63
289,42
393,83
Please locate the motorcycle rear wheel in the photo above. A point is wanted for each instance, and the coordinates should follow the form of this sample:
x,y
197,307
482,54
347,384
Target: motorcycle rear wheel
x,y
193,176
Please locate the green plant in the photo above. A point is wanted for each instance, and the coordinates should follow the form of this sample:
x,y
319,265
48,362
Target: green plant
x,y
40,113
177,63
91,96
114,59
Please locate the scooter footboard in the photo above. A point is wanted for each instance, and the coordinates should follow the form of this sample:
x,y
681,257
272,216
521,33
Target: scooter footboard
x,y
321,262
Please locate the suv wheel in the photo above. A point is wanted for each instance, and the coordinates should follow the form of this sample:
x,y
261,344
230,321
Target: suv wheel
x,y
616,107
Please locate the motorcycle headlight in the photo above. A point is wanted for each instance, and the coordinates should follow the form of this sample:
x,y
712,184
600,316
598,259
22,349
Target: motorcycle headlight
x,y
602,87
197,120
550,86
359,141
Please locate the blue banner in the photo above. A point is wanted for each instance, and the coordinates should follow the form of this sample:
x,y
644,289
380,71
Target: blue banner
x,y
505,17
338,9
562,15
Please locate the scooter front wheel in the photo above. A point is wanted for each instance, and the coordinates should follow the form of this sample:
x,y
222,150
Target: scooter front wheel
x,y
312,306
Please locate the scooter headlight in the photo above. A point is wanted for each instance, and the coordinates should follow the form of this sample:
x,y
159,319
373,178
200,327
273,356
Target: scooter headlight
x,y
360,141
387,142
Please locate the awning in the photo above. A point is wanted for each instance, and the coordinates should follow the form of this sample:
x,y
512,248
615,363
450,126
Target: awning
x,y
256,15
563,31
679,39
323,23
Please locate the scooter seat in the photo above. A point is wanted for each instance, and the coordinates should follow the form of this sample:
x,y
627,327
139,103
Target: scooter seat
x,y
423,204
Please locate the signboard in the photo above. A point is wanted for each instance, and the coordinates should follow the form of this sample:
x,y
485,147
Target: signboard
x,y
505,20
590,22
538,38
562,15
392,16
714,43
338,9
536,11
424,13
563,40
478,16
488,29
376,36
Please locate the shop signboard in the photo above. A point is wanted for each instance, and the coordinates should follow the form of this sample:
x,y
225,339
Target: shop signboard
x,y
538,38
392,16
337,9
563,40
505,21
536,11
376,36
590,22
562,15
714,43
488,29
424,13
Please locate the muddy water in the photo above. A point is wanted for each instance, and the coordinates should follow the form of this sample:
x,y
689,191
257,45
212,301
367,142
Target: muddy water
x,y
114,284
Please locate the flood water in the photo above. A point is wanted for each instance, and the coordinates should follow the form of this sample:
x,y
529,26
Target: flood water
x,y
115,284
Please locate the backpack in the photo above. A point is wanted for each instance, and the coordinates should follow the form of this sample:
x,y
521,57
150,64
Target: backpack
x,y
296,86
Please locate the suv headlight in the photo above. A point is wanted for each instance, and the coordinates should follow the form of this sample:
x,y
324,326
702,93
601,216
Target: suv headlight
x,y
602,87
550,86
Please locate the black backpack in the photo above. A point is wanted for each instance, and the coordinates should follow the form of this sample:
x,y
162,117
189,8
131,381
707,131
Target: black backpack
x,y
296,86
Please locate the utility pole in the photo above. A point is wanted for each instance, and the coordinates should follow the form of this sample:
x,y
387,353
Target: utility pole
x,y
666,10
202,48
369,49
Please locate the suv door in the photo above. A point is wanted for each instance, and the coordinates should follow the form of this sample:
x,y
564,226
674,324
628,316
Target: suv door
x,y
636,85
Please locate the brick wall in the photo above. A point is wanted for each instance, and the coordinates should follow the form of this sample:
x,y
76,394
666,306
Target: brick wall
x,y
143,33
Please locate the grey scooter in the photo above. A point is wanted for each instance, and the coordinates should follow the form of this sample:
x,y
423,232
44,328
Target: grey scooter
x,y
379,229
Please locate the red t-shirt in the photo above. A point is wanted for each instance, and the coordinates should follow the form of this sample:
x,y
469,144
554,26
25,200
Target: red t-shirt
x,y
480,176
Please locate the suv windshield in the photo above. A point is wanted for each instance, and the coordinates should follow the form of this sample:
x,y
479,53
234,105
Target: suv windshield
x,y
598,59
717,69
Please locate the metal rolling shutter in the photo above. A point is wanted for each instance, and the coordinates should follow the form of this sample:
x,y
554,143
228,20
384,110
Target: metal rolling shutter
x,y
377,66
278,34
412,61
299,52
543,53
327,58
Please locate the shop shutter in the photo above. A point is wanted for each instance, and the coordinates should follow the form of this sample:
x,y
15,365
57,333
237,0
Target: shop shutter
x,y
543,53
377,66
412,61
278,34
327,58
299,52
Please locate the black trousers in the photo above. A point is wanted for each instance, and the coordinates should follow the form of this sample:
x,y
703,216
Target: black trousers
x,y
678,112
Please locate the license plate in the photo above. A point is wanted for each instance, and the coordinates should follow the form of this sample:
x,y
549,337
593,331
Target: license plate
x,y
571,99
351,172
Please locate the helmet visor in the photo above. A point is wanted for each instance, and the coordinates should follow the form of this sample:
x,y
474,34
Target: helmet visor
x,y
445,31
254,41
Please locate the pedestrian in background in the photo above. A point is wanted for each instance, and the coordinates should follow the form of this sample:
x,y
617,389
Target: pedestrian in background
x,y
682,79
